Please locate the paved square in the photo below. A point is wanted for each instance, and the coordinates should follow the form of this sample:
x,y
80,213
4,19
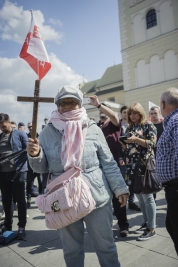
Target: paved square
x,y
43,247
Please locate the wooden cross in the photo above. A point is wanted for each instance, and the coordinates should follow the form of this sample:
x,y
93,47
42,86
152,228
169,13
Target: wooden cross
x,y
36,99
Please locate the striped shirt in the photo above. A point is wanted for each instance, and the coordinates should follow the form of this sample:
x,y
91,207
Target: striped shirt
x,y
167,149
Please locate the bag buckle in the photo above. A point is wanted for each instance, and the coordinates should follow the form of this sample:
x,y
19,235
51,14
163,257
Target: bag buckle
x,y
55,206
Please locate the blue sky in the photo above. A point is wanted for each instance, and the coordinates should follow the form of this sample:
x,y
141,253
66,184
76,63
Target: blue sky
x,y
91,39
81,37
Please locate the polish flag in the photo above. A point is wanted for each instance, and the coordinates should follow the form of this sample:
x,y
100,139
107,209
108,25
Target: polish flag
x,y
34,51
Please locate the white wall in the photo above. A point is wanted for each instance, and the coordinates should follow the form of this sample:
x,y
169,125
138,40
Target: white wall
x,y
157,70
142,73
165,22
166,17
152,32
139,29
170,65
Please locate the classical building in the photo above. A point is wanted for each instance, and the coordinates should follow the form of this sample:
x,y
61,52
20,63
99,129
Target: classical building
x,y
149,43
109,90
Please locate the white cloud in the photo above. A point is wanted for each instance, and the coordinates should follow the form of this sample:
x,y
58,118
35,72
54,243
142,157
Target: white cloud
x,y
18,79
15,23
55,22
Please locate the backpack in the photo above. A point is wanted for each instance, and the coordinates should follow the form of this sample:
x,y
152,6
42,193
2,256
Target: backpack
x,y
7,237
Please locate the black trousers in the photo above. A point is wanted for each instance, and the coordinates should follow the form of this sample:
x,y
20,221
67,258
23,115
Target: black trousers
x,y
30,179
132,195
16,188
172,212
44,181
120,214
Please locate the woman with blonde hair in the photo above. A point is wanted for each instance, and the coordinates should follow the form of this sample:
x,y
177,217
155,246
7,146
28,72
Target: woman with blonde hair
x,y
140,144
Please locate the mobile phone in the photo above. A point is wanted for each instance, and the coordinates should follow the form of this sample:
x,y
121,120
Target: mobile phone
x,y
86,101
122,138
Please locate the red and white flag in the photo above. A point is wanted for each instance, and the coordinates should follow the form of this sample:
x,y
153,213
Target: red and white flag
x,y
34,51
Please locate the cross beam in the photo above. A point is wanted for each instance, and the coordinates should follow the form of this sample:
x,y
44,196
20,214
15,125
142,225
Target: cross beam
x,y
36,99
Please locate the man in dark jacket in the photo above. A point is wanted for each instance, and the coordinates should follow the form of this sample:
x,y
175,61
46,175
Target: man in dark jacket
x,y
111,127
12,140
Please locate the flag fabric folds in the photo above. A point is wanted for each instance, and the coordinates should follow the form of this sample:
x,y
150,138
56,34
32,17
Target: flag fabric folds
x,y
34,51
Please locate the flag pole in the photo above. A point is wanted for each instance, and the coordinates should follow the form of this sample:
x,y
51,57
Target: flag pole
x,y
35,109
33,51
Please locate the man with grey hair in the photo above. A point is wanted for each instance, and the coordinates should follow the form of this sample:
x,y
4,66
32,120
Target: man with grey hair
x,y
167,159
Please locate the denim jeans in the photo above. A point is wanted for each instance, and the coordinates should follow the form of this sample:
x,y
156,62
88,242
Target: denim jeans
x,y
8,188
98,224
148,208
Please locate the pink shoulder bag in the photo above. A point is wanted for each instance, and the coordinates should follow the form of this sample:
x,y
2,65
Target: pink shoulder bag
x,y
68,199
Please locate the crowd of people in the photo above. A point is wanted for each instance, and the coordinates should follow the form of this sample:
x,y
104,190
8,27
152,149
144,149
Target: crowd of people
x,y
108,164
16,191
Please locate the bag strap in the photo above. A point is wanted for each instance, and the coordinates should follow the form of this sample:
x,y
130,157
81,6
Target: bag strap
x,y
149,154
22,164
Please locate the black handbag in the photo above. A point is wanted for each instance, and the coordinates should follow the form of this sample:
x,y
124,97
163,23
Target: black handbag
x,y
145,180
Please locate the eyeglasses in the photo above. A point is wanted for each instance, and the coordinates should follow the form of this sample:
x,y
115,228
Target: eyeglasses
x,y
72,103
29,127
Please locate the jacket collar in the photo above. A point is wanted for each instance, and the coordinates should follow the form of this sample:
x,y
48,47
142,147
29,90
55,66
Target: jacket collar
x,y
167,118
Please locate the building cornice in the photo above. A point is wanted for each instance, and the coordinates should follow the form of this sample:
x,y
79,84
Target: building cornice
x,y
109,86
148,41
150,86
135,2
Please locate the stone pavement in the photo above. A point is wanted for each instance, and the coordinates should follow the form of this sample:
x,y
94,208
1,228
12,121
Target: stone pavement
x,y
43,247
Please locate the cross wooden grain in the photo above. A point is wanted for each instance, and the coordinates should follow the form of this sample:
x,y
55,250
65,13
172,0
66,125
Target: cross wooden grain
x,y
36,99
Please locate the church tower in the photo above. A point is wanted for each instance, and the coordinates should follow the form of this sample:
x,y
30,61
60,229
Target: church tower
x,y
149,43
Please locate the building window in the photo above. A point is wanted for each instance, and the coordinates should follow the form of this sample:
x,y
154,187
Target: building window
x,y
112,99
151,19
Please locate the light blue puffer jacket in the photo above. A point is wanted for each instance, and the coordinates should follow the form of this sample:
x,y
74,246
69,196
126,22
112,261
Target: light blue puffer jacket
x,y
99,167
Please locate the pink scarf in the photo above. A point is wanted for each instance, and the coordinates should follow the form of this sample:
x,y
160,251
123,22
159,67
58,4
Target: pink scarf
x,y
71,123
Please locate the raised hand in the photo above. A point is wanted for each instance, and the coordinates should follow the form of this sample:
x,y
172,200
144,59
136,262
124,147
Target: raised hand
x,y
33,147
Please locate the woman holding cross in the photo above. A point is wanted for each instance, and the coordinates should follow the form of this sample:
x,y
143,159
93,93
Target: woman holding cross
x,y
54,153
